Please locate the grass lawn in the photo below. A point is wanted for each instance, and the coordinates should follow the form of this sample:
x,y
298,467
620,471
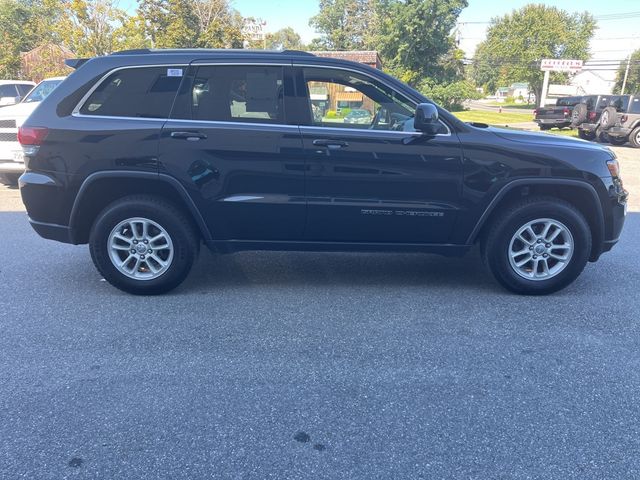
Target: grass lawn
x,y
521,106
493,118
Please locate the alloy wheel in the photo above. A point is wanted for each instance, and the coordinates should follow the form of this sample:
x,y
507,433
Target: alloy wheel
x,y
140,248
541,249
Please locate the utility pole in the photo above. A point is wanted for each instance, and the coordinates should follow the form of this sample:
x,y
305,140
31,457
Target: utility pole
x,y
626,74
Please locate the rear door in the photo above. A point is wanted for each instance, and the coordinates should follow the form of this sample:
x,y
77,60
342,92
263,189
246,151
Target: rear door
x,y
229,143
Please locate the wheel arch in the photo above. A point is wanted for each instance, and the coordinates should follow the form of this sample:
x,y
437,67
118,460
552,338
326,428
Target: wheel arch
x,y
102,188
579,193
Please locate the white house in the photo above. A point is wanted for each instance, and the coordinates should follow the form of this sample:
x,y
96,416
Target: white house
x,y
594,81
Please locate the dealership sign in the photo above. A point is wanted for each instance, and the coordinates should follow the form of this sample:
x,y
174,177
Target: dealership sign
x,y
560,65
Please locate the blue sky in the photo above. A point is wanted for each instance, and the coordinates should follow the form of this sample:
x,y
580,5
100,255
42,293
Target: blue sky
x,y
614,39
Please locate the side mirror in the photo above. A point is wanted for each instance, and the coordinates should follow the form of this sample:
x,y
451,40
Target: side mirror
x,y
426,119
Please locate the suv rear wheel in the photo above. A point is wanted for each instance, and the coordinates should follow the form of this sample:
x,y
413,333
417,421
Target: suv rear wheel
x,y
143,245
634,137
538,246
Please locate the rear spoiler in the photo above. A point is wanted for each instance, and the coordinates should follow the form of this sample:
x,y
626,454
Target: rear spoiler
x,y
75,63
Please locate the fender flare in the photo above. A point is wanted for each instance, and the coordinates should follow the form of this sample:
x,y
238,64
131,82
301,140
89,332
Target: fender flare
x,y
157,177
524,182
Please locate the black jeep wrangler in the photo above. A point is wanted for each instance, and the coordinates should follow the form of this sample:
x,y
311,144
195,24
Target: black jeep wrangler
x,y
144,155
621,121
587,114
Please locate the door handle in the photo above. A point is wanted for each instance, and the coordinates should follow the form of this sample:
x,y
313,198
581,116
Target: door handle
x,y
191,136
331,144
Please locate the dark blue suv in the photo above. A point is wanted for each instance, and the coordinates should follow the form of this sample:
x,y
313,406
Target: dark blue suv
x,y
145,154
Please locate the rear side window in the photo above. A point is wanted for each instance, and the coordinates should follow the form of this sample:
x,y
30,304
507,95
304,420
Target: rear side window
x,y
568,101
252,94
143,92
635,106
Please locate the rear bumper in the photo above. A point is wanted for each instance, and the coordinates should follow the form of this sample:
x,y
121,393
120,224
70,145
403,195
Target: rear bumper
x,y
553,121
11,167
619,132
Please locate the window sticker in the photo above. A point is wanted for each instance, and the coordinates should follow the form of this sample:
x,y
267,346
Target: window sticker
x,y
174,72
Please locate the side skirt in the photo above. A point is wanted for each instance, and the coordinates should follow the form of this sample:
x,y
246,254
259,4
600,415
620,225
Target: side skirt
x,y
230,246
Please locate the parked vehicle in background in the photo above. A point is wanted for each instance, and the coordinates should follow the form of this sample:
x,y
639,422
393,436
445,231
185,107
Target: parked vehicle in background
x,y
146,154
586,116
622,123
12,91
558,115
11,156
359,116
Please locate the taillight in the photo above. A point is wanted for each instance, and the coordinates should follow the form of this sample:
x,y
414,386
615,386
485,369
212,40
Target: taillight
x,y
566,112
623,118
32,136
614,168
535,112
592,115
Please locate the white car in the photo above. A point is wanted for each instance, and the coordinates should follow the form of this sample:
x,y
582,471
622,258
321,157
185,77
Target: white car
x,y
12,91
11,118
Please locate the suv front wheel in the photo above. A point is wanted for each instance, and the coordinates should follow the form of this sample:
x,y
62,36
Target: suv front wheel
x,y
538,246
143,245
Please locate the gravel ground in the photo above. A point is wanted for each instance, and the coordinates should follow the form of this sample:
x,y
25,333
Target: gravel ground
x,y
292,365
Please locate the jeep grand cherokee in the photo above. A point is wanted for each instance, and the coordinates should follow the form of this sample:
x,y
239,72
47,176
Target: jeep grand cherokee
x,y
144,155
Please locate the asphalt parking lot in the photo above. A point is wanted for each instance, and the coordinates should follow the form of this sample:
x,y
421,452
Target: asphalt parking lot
x,y
305,366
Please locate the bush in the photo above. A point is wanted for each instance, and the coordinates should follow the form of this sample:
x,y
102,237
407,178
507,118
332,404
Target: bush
x,y
331,114
450,96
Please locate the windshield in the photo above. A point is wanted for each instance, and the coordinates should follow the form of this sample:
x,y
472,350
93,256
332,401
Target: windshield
x,y
41,91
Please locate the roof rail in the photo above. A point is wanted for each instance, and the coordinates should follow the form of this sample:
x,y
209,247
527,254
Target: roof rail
x,y
151,51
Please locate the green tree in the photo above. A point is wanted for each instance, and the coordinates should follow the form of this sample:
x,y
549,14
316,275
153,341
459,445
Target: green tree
x,y
88,26
181,30
153,19
24,25
284,39
344,24
517,42
451,95
219,25
633,78
415,38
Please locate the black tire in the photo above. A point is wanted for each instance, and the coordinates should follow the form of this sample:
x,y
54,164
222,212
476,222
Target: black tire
x,y
600,135
183,235
634,137
585,135
497,243
608,118
10,179
545,127
579,114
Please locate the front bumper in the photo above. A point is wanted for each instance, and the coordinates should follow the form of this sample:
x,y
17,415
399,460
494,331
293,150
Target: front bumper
x,y
52,231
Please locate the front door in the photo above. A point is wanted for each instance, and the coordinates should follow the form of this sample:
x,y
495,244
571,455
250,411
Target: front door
x,y
371,177
229,143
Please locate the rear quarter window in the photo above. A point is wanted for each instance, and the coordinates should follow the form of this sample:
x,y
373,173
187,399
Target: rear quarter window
x,y
635,106
142,92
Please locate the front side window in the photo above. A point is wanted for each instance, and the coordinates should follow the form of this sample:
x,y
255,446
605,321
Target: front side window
x,y
8,91
344,99
224,93
143,92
